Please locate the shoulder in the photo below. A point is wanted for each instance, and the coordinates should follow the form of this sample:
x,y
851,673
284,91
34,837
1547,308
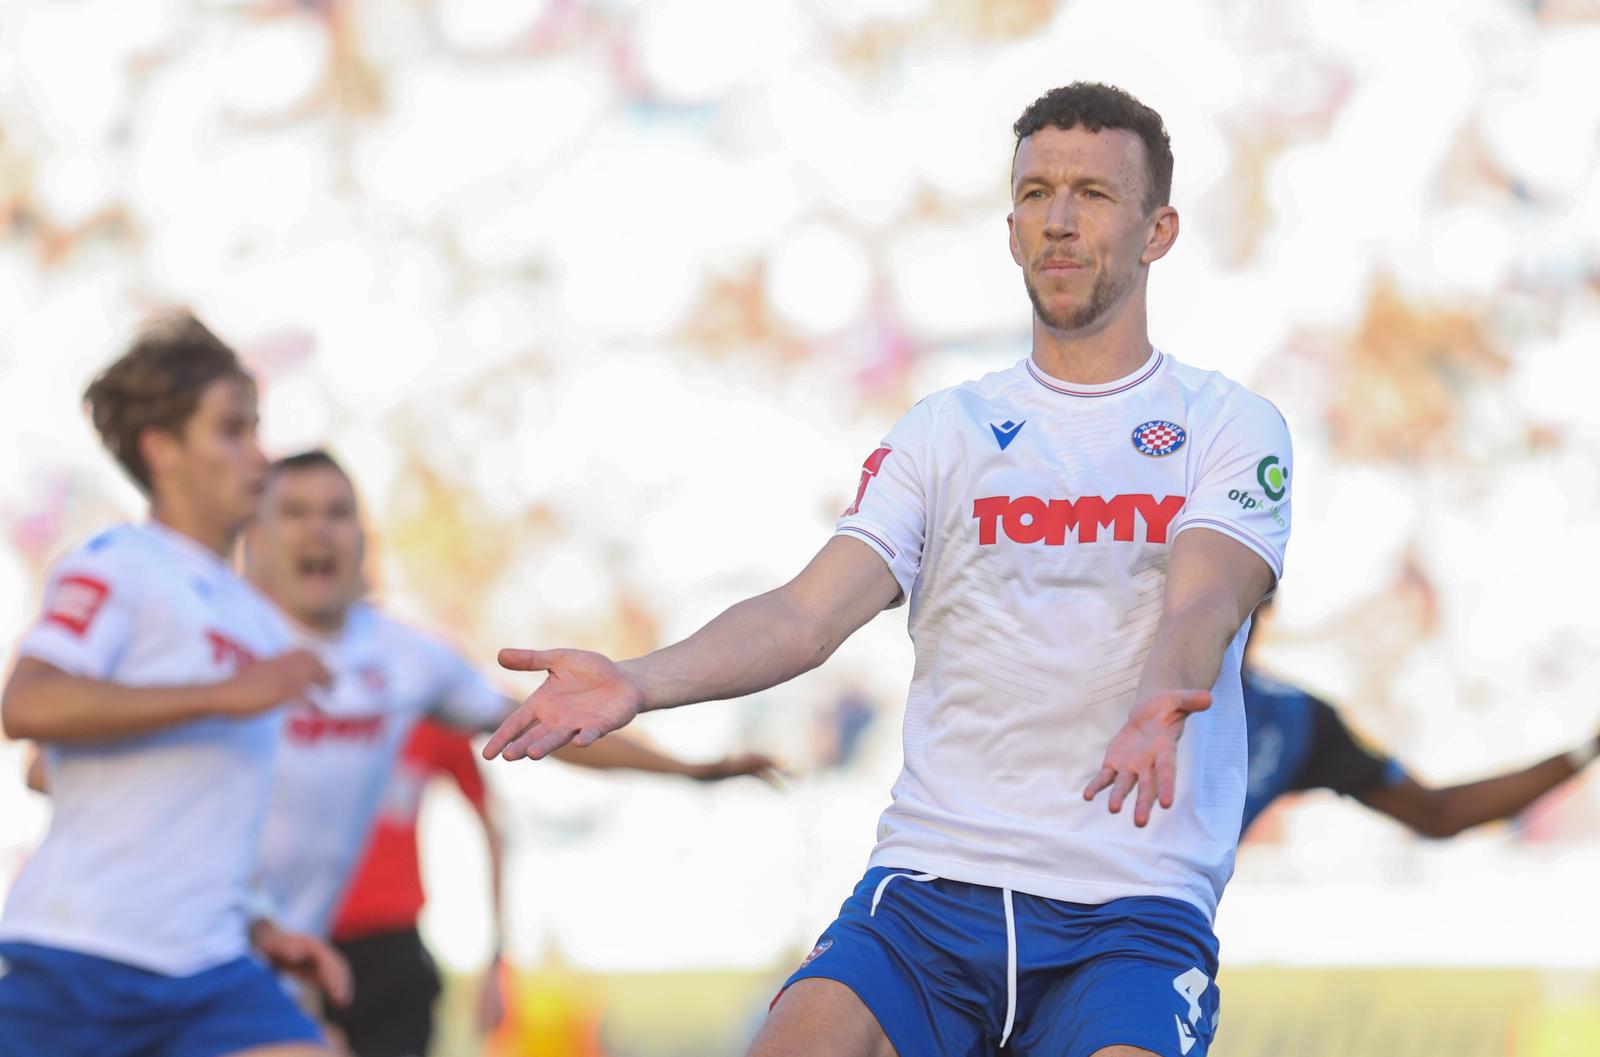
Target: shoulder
x,y
404,639
121,552
1215,400
1261,688
941,404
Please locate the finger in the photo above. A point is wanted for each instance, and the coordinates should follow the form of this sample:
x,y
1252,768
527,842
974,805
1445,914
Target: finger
x,y
553,739
1167,776
1099,783
333,972
1189,701
586,737
320,673
1120,790
1146,799
524,742
527,660
508,730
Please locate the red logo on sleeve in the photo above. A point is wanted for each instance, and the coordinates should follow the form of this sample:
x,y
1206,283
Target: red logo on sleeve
x,y
76,602
869,470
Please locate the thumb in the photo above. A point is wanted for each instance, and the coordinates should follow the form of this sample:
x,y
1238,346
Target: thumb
x,y
527,660
1190,701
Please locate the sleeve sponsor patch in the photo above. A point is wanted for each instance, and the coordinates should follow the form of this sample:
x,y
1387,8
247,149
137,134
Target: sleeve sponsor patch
x,y
76,602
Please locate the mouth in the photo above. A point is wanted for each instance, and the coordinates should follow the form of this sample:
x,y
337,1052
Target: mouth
x,y
1060,266
318,569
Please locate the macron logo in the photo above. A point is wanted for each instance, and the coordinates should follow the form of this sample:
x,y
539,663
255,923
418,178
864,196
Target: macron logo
x,y
1186,1038
1006,432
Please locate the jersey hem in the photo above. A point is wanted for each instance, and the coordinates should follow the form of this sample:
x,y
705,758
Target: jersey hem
x,y
97,946
1062,889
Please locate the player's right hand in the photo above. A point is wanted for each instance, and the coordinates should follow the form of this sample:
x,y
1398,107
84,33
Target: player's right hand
x,y
265,684
585,697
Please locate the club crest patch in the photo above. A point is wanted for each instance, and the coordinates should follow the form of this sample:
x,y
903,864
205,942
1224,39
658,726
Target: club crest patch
x,y
1157,438
816,952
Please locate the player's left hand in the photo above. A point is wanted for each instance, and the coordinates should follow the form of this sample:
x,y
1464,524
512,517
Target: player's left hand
x,y
1145,752
491,999
754,764
306,958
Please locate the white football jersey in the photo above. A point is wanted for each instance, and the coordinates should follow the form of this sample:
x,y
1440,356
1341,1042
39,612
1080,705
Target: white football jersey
x,y
152,838
336,757
1030,523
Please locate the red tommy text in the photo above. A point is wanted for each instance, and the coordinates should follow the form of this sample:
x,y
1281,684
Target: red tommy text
x,y
1029,519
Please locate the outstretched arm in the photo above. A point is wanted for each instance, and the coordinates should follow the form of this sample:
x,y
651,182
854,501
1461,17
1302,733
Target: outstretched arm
x,y
1213,584
621,752
1446,812
44,703
756,644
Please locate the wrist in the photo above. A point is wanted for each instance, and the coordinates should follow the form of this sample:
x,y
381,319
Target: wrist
x,y
1584,754
633,671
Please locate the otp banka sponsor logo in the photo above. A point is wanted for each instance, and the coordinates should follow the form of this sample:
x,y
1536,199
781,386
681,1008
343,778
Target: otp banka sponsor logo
x,y
1029,519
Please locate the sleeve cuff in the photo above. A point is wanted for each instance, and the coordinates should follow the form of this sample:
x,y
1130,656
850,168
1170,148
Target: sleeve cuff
x,y
879,541
1234,531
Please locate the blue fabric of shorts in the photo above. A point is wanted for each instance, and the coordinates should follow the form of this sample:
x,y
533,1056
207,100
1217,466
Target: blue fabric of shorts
x,y
931,963
60,1003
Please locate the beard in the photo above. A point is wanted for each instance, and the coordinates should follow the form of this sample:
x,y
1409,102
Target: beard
x,y
1106,292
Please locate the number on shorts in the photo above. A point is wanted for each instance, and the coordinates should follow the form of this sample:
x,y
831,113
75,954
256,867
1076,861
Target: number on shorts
x,y
1191,985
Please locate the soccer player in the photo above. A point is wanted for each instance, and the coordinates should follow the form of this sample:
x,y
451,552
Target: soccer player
x,y
1298,742
153,679
305,551
1082,538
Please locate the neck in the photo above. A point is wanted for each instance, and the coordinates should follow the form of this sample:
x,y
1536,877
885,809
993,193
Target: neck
x,y
204,531
1111,347
327,623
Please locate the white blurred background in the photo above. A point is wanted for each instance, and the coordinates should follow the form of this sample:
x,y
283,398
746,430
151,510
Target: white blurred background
x,y
603,303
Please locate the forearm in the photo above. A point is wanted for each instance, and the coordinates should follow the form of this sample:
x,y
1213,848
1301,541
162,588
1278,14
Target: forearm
x,y
759,643
497,864
619,752
1188,647
45,704
1462,807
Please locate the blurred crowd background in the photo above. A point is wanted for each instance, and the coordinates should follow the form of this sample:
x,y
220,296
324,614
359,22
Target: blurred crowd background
x,y
604,302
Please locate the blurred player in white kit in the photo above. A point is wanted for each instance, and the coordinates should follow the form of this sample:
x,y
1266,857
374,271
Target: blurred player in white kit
x,y
306,552
152,679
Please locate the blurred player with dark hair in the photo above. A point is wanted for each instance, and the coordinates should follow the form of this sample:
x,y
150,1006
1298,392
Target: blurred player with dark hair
x,y
152,680
306,552
1299,742
1080,572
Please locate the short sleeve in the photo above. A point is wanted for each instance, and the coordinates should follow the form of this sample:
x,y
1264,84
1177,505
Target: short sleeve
x,y
464,699
87,618
1339,761
1242,484
890,511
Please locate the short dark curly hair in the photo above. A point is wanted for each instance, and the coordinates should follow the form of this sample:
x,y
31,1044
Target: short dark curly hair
x,y
1096,107
157,384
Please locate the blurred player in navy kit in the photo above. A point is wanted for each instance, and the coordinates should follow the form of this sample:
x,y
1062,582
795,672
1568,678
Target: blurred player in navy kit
x,y
1298,742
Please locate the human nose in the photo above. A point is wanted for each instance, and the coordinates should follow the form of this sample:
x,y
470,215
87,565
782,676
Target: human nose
x,y
1061,222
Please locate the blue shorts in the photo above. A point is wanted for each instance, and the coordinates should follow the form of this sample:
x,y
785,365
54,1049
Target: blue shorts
x,y
64,1004
958,969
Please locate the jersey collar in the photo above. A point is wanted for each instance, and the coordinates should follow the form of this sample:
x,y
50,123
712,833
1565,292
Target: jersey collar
x,y
1145,372
191,550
